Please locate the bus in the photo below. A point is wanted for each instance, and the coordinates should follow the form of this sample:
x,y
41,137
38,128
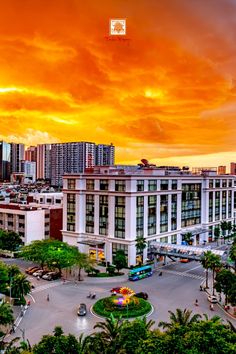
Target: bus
x,y
140,272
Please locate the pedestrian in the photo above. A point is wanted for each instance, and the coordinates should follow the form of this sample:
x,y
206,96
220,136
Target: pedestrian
x,y
47,297
38,277
28,303
211,307
196,302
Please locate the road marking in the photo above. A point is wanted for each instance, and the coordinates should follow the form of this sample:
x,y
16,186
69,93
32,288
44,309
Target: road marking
x,y
183,274
186,271
32,297
46,286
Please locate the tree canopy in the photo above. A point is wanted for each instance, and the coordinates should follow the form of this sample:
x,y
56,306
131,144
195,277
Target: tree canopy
x,y
10,240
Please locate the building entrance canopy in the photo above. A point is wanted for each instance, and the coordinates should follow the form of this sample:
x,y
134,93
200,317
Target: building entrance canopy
x,y
92,243
195,231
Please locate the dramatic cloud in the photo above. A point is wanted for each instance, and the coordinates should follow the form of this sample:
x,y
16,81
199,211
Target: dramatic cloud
x,y
167,92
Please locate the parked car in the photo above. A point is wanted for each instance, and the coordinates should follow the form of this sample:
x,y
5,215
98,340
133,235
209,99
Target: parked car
x,y
40,272
213,299
184,260
142,295
115,291
230,242
82,310
30,272
51,276
29,269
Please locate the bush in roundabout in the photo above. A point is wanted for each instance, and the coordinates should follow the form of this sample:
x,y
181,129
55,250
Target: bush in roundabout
x,y
136,307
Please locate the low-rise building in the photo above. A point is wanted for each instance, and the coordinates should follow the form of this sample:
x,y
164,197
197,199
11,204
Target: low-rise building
x,y
32,222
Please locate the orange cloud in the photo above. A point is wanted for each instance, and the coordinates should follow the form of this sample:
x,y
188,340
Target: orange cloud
x,y
167,91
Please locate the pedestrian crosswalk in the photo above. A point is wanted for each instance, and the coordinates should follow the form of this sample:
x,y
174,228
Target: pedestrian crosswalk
x,y
46,286
183,274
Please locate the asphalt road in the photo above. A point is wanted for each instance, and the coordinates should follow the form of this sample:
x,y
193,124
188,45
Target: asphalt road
x,y
178,287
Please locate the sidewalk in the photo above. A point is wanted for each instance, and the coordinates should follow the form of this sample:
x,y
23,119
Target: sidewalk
x,y
229,310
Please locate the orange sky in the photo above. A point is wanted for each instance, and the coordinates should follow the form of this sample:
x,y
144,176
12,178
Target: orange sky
x,y
167,94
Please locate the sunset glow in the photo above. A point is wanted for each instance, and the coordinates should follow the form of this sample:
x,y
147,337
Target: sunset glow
x,y
167,93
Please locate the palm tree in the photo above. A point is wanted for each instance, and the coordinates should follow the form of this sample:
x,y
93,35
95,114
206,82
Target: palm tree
x,y
181,318
141,244
205,261
217,234
214,263
188,237
20,286
232,254
82,261
224,227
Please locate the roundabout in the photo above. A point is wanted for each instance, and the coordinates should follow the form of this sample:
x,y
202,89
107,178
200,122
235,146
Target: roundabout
x,y
123,305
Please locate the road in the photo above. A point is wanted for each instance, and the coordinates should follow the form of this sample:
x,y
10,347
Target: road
x,y
178,287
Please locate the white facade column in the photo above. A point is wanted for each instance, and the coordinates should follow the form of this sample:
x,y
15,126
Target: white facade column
x,y
64,211
169,211
214,207
131,255
145,216
111,216
220,205
80,207
96,214
158,215
130,218
179,200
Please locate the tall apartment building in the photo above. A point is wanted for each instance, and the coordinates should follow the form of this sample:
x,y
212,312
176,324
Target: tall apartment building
x,y
43,166
75,157
109,207
17,155
221,170
31,154
233,168
105,155
5,160
29,170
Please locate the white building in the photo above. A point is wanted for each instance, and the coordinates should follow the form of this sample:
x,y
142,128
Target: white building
x,y
111,207
47,198
32,222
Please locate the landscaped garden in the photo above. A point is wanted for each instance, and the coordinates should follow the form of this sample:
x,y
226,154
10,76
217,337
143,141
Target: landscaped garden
x,y
124,304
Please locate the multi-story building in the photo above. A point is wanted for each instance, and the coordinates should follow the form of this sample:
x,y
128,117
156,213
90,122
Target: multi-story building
x,y
32,221
17,155
47,198
5,161
221,170
107,208
29,170
233,168
31,154
75,157
105,155
43,167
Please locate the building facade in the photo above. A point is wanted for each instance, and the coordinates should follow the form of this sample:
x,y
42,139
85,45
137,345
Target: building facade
x,y
17,155
105,155
221,170
43,161
111,207
31,154
31,222
5,161
233,168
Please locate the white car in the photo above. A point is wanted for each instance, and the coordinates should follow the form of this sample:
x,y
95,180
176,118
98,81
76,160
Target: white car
x,y
38,273
213,299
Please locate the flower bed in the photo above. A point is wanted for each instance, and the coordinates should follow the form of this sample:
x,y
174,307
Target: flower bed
x,y
136,308
104,275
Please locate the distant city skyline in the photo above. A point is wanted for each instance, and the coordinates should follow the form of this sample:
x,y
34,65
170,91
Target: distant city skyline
x,y
165,92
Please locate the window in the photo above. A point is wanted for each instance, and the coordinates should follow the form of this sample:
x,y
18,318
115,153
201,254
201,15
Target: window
x,y
164,213
174,239
224,183
140,185
174,184
90,184
217,184
191,204
71,183
120,186
211,183
164,239
230,182
89,213
173,212
210,216
120,217
217,206
139,216
119,246
152,207
103,214
164,184
70,212
104,183
152,185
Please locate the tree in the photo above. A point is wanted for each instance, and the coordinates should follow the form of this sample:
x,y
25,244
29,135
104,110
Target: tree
x,y
188,237
36,251
206,261
180,318
57,343
6,317
224,281
214,264
141,244
217,234
224,227
120,260
3,277
230,227
82,261
10,240
20,287
232,294
232,254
